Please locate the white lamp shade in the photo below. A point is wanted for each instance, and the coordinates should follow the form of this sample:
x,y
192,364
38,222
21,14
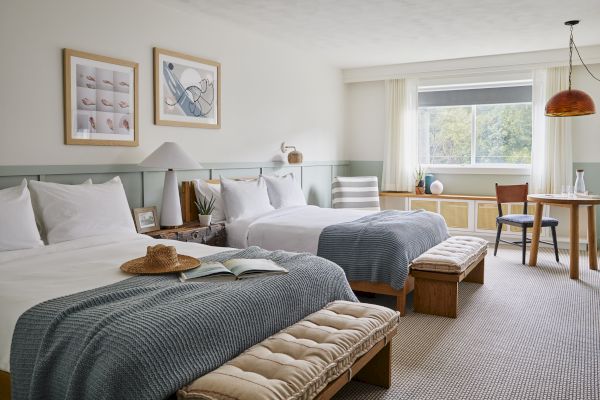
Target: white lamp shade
x,y
170,155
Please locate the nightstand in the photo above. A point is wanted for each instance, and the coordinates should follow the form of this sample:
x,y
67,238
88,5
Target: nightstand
x,y
213,235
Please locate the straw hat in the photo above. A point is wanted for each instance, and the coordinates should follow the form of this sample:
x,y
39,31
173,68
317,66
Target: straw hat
x,y
160,259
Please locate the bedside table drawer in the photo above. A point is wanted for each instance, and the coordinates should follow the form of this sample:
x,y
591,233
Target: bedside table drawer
x,y
213,235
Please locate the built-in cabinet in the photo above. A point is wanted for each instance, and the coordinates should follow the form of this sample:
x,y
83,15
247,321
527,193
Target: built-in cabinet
x,y
463,214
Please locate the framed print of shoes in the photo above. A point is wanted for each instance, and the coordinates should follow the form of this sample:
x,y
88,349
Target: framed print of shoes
x,y
101,100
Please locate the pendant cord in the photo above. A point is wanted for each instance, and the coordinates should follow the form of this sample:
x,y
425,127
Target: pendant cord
x,y
571,46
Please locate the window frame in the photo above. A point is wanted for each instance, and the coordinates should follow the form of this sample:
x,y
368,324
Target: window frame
x,y
473,167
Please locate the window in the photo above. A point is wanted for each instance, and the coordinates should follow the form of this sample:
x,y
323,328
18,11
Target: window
x,y
475,126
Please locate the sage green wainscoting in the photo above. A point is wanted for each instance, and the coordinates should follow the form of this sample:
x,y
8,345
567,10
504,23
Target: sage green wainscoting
x,y
592,184
143,186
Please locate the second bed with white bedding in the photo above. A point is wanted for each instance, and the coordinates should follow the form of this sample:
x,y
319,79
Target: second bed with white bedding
x,y
375,247
295,228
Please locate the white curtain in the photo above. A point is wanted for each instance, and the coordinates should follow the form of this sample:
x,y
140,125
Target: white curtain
x,y
400,153
551,147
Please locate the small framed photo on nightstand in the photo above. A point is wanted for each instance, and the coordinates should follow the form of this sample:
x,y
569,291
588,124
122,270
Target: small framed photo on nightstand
x,y
146,219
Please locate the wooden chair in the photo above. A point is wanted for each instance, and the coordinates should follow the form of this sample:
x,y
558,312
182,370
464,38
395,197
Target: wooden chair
x,y
518,194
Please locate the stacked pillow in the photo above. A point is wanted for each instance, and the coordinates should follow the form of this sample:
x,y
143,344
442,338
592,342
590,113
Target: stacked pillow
x,y
243,199
63,212
68,212
19,230
238,199
284,191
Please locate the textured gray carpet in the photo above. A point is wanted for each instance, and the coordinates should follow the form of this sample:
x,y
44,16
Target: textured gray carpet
x,y
528,333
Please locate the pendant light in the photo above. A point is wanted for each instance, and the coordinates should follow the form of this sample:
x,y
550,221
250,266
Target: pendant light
x,y
571,102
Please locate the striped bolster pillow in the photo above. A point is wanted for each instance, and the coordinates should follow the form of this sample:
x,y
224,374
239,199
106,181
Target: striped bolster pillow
x,y
361,192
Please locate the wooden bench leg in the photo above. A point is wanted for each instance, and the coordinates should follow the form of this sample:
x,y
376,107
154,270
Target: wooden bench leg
x,y
436,297
409,285
379,370
476,275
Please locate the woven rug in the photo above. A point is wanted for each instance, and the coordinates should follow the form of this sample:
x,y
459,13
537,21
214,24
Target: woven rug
x,y
527,333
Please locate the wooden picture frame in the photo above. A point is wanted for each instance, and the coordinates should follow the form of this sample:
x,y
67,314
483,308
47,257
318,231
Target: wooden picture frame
x,y
187,90
100,100
146,219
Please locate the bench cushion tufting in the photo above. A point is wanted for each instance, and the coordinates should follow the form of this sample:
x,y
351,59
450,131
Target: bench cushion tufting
x,y
299,361
453,255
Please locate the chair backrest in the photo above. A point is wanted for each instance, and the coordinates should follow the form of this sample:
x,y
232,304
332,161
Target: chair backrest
x,y
512,194
358,192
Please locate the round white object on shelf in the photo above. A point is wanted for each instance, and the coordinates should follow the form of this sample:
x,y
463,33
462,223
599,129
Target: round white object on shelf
x,y
436,187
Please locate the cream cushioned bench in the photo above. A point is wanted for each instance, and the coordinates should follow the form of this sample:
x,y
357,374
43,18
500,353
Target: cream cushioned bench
x,y
438,271
311,359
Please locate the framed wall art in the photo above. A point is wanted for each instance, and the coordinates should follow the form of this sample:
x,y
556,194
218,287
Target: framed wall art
x,y
101,100
146,219
187,90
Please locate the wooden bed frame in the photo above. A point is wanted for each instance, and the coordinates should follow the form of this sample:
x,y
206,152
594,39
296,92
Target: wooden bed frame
x,y
190,213
373,367
4,385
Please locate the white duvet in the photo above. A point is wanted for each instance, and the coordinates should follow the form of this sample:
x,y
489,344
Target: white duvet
x,y
30,277
293,228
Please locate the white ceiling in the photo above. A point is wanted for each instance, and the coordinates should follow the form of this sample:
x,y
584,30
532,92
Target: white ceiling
x,y
356,33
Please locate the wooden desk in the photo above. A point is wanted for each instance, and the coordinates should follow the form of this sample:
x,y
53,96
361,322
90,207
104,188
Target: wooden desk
x,y
573,203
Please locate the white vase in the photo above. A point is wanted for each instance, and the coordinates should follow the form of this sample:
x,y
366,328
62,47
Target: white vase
x,y
436,187
204,219
579,183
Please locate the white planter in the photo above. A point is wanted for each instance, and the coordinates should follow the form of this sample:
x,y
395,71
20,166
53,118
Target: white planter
x,y
204,219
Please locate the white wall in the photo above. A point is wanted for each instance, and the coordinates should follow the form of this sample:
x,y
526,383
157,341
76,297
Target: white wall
x,y
365,120
365,123
270,92
586,130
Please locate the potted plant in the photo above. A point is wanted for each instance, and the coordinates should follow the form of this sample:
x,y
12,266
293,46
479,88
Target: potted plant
x,y
419,180
205,209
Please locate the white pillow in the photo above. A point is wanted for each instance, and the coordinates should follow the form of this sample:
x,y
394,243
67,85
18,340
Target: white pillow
x,y
284,191
70,212
244,199
17,229
211,190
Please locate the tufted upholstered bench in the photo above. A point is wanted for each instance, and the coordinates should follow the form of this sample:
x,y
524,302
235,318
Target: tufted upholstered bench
x,y
438,271
311,359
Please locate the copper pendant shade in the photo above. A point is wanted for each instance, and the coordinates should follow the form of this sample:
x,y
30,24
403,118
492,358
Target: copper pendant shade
x,y
571,102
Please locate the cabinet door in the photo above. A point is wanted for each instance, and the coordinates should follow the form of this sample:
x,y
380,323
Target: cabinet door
x,y
486,213
457,214
424,204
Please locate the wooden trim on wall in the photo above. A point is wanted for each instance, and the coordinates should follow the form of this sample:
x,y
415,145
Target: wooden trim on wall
x,y
437,197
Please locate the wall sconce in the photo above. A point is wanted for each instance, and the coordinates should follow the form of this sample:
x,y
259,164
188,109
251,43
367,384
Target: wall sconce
x,y
294,156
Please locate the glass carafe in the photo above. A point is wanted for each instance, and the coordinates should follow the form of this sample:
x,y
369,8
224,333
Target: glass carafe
x,y
579,183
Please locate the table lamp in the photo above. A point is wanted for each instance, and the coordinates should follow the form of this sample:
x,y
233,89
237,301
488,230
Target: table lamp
x,y
170,156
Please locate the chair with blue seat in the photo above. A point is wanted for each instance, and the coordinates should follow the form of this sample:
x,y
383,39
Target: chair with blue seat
x,y
518,194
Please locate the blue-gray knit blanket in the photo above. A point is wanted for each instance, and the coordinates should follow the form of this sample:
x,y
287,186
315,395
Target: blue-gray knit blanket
x,y
146,337
380,247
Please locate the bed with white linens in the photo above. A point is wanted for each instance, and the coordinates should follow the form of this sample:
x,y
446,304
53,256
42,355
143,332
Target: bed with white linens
x,y
374,248
73,325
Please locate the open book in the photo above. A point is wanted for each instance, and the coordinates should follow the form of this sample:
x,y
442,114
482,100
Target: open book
x,y
236,268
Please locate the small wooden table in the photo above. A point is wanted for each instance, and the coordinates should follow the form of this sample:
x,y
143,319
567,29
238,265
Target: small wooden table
x,y
573,203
